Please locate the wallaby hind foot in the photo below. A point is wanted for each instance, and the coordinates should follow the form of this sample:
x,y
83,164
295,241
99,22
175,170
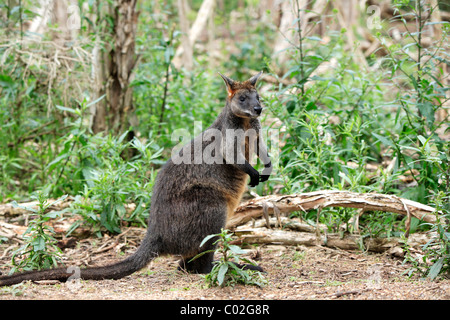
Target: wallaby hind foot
x,y
205,265
201,265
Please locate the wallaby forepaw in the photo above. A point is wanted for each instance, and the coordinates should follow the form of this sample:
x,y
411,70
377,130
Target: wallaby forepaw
x,y
254,181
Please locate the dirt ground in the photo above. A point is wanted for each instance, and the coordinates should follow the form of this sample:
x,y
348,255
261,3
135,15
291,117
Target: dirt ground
x,y
312,273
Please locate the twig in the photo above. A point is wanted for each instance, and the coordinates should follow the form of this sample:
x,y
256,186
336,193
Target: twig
x,y
408,218
346,293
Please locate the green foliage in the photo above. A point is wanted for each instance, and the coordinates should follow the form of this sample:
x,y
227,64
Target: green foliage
x,y
166,98
436,258
329,120
415,72
341,122
225,272
40,250
110,182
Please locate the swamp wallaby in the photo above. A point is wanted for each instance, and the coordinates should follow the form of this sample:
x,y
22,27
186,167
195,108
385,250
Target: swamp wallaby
x,y
194,191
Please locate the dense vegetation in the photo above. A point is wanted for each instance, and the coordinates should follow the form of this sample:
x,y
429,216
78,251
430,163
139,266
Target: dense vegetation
x,y
337,120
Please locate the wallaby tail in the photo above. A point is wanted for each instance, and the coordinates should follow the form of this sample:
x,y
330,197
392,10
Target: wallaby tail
x,y
117,270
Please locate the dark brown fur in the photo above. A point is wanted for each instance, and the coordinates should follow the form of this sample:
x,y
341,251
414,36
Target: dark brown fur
x,y
189,201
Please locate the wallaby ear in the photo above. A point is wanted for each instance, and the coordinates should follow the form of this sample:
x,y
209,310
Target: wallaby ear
x,y
255,78
229,82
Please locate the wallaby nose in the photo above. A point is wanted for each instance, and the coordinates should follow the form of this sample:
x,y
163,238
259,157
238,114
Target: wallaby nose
x,y
258,109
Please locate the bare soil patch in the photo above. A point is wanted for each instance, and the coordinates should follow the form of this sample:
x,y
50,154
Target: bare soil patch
x,y
293,272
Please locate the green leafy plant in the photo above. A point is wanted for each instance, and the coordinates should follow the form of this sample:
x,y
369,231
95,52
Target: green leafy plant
x,y
111,182
225,272
435,259
414,138
340,122
40,250
438,248
417,77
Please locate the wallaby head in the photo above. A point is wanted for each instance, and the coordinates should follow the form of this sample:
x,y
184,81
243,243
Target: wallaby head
x,y
243,99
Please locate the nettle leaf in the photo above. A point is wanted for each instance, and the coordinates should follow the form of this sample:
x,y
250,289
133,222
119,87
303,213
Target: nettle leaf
x,y
221,274
62,198
67,109
436,268
57,160
427,110
207,238
237,249
383,140
38,244
16,205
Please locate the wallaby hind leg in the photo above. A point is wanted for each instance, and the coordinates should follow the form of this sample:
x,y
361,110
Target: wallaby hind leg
x,y
202,264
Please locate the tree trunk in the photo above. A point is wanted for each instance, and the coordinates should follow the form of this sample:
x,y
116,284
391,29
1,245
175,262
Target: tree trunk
x,y
287,37
185,42
113,71
60,13
101,61
59,17
199,25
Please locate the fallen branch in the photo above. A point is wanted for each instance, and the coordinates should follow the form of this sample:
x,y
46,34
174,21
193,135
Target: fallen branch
x,y
8,210
348,242
10,231
330,198
256,233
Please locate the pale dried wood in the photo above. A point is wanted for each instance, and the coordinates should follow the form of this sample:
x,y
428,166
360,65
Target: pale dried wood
x,y
253,209
287,35
294,224
9,231
7,209
187,60
199,25
348,242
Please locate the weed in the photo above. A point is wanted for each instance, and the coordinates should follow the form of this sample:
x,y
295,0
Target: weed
x,y
40,250
225,272
435,259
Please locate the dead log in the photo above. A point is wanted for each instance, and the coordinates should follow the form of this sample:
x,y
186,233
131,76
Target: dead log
x,y
10,231
8,210
390,245
253,209
294,224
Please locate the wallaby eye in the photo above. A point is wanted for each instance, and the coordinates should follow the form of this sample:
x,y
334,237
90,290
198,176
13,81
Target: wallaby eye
x,y
242,98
